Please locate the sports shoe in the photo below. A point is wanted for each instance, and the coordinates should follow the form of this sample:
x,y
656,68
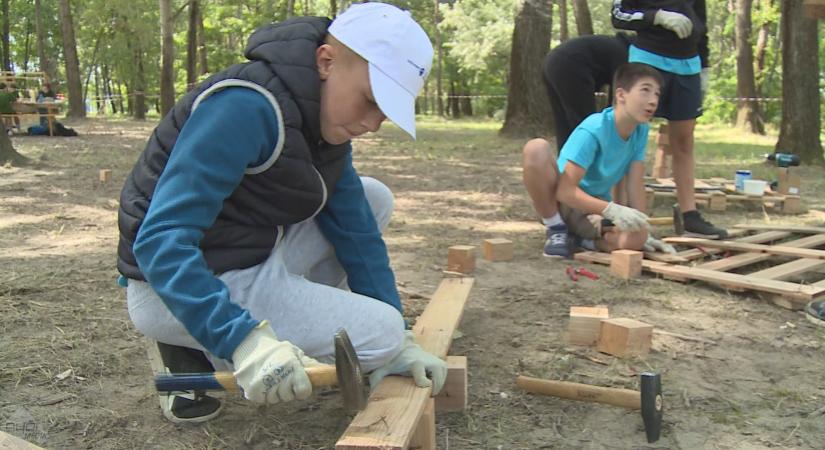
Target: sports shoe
x,y
557,245
190,407
816,312
696,226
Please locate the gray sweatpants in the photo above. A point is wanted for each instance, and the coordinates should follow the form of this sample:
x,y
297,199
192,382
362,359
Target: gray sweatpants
x,y
300,290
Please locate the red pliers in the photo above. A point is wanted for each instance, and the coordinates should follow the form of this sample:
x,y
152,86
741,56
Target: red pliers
x,y
573,273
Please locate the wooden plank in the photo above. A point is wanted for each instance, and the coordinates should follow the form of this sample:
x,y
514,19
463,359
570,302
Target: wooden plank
x,y
397,404
745,247
760,238
424,437
789,269
794,292
666,258
745,259
800,230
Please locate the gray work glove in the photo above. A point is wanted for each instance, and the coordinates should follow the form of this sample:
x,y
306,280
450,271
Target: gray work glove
x,y
413,361
625,218
657,245
675,22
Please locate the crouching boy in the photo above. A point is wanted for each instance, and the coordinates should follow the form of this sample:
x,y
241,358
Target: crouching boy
x,y
573,194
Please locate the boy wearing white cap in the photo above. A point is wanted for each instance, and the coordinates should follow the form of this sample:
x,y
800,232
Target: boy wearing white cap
x,y
243,221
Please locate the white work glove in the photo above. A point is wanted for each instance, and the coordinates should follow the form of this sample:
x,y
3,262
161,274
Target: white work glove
x,y
626,218
657,245
704,77
269,370
413,360
675,22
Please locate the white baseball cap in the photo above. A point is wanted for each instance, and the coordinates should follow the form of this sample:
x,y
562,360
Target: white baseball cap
x,y
398,51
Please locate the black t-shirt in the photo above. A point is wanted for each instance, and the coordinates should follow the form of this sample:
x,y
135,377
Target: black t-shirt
x,y
595,57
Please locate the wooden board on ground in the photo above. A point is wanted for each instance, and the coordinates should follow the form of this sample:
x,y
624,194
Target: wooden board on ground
x,y
395,408
791,229
746,247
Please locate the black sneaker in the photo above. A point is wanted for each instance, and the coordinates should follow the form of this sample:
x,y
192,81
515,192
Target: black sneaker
x,y
191,407
816,312
696,226
557,244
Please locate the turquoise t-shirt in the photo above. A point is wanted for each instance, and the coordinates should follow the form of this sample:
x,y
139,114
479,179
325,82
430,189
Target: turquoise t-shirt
x,y
686,66
596,146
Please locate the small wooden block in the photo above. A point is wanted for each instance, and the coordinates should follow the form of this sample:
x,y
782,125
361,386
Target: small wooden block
x,y
585,324
105,175
792,204
718,201
453,396
789,180
424,435
461,258
625,337
626,264
498,249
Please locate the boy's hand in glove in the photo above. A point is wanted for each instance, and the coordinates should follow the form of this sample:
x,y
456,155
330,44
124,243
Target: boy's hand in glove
x,y
675,22
269,370
627,219
413,361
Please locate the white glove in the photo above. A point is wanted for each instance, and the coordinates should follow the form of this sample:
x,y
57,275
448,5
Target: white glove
x,y
704,76
269,370
673,21
413,360
653,245
627,219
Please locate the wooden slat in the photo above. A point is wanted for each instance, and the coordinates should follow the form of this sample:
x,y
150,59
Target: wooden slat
x,y
745,247
745,259
395,407
760,238
792,291
800,230
789,269
666,258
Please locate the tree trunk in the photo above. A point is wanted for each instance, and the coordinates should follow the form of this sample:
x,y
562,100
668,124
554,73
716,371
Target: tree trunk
x,y
333,8
584,23
192,46
202,53
466,103
5,37
140,85
77,108
564,33
290,8
167,49
439,101
8,155
455,108
46,64
801,122
749,115
528,114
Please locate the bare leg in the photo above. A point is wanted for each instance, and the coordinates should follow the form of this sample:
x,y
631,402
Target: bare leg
x,y
681,145
540,176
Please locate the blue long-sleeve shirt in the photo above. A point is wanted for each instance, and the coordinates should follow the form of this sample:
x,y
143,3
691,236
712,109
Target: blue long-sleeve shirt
x,y
230,131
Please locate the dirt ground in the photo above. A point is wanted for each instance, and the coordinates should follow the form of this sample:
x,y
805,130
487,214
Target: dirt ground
x,y
74,373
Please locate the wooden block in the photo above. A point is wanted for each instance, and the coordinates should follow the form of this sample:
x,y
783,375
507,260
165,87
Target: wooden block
x,y
626,264
718,201
498,249
105,175
424,436
650,199
625,337
789,180
585,324
792,204
461,258
453,396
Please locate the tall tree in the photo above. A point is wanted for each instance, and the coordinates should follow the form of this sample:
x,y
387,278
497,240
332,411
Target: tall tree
x,y
439,49
564,34
584,23
801,121
167,50
528,114
202,53
77,107
8,155
749,116
5,37
192,46
290,8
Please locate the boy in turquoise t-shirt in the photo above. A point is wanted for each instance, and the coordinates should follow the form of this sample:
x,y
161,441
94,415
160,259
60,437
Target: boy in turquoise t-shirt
x,y
573,194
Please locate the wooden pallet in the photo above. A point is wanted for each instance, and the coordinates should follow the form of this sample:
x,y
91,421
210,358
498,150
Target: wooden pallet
x,y
716,194
790,274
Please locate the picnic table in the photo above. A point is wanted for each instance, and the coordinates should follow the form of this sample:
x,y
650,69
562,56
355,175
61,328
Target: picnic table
x,y
24,107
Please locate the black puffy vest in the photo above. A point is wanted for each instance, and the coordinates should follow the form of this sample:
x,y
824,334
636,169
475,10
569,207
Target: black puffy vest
x,y
291,187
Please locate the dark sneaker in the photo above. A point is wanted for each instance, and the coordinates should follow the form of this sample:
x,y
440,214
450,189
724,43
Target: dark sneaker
x,y
696,226
557,245
191,407
816,312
